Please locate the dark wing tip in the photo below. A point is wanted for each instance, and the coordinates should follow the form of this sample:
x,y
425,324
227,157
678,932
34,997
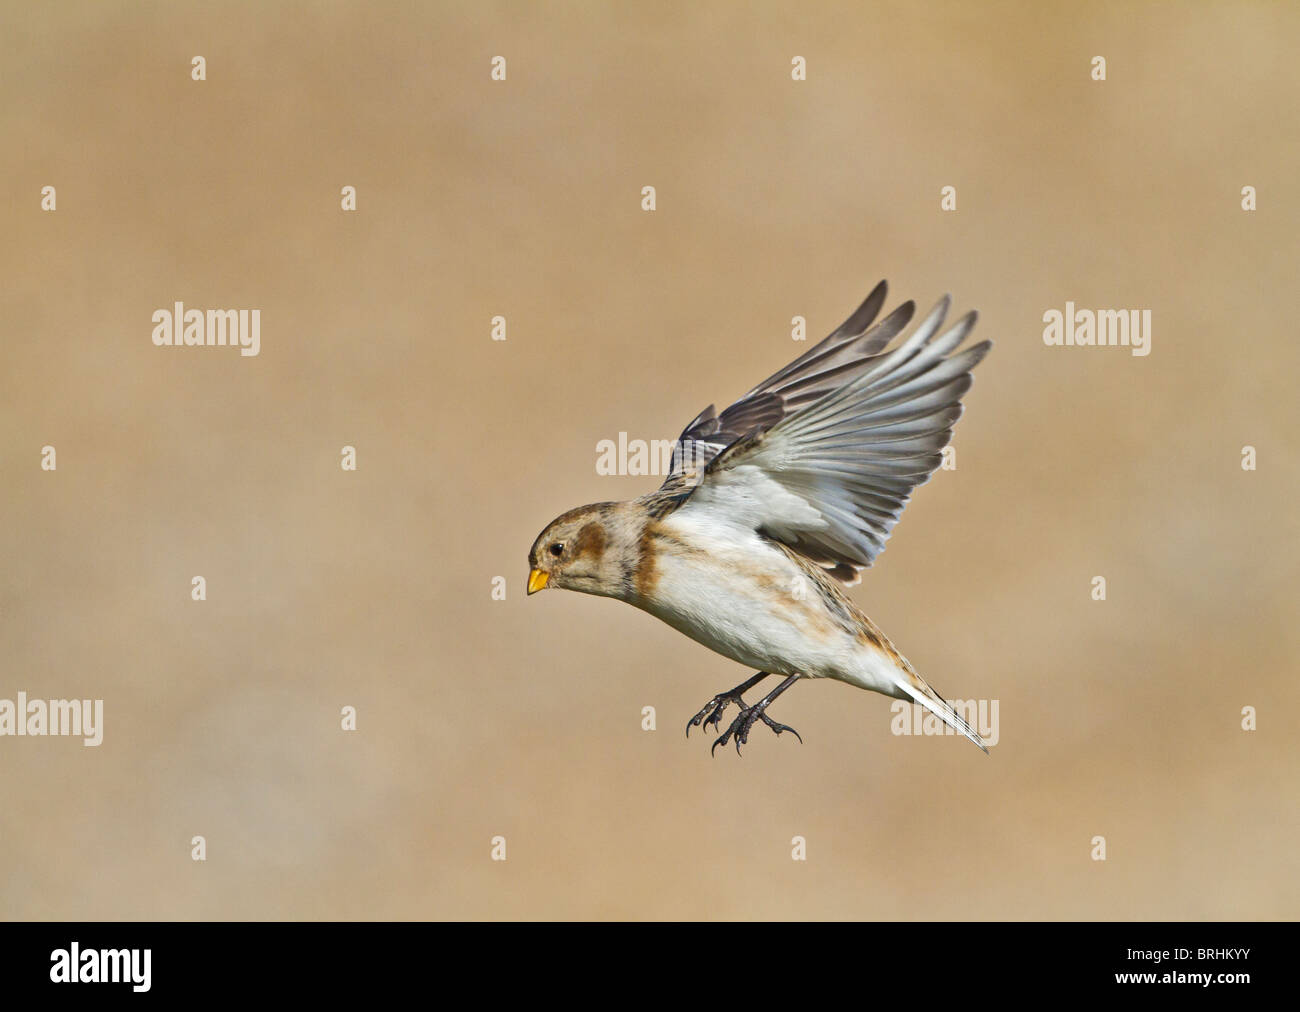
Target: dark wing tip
x,y
902,316
862,317
977,352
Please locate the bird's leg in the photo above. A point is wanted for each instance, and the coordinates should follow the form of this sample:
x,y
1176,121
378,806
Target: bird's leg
x,y
739,729
721,701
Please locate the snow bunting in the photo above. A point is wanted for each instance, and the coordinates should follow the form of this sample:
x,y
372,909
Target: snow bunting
x,y
777,503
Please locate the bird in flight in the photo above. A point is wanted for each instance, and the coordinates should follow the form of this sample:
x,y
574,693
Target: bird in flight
x,y
775,505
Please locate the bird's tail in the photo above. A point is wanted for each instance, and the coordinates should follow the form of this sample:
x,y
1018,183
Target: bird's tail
x,y
913,686
888,671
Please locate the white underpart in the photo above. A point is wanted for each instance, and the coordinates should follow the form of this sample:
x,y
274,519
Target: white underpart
x,y
738,596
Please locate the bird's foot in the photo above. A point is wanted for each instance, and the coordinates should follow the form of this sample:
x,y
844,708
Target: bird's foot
x,y
714,708
740,727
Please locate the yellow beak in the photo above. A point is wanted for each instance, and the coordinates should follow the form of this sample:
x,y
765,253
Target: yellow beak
x,y
537,581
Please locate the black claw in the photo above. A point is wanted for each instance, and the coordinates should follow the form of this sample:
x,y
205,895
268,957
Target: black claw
x,y
720,740
778,728
719,703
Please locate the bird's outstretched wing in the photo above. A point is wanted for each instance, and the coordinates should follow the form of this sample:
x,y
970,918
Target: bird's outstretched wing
x,y
822,368
824,455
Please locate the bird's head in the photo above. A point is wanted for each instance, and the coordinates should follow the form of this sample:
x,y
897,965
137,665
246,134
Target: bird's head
x,y
580,550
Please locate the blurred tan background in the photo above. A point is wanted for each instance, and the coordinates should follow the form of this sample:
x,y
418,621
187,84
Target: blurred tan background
x,y
522,198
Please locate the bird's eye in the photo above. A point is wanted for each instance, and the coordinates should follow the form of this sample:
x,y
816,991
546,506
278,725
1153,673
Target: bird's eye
x,y
557,549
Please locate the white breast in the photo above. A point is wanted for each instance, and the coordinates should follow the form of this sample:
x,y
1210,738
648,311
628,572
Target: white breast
x,y
727,588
